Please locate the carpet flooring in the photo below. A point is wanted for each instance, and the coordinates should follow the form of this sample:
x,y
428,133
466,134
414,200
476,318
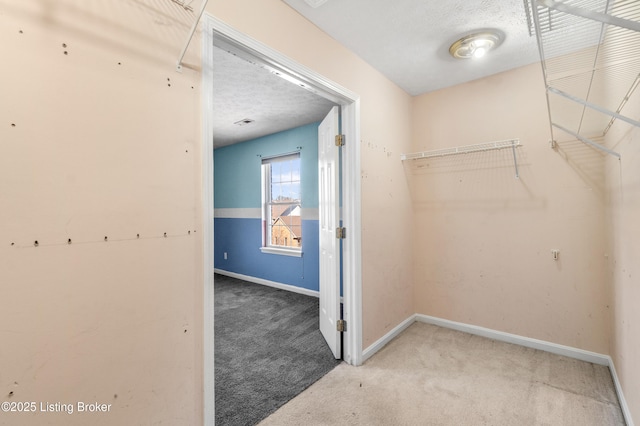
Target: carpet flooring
x,y
431,375
268,349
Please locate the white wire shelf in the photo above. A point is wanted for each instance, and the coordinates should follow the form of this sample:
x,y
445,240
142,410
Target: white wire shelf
x,y
590,52
488,146
467,149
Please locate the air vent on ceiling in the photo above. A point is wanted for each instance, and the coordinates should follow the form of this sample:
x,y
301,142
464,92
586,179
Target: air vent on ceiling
x,y
244,122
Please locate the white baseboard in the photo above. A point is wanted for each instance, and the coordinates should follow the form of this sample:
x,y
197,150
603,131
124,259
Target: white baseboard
x,y
380,343
274,284
528,342
623,402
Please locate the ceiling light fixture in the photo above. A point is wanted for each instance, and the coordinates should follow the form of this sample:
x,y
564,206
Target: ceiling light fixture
x,y
476,45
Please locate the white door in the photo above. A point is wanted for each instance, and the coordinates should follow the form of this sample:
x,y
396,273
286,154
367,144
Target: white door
x,y
329,181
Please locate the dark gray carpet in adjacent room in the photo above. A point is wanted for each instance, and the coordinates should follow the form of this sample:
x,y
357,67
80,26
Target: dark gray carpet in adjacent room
x,y
268,349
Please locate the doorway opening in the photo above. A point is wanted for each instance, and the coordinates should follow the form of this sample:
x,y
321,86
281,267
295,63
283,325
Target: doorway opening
x,y
268,344
218,33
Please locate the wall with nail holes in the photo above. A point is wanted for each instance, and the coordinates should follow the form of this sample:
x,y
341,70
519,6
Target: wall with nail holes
x,y
623,245
100,158
484,238
100,165
99,138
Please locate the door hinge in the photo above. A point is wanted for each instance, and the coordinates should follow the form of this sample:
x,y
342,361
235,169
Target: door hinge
x,y
341,233
339,140
341,325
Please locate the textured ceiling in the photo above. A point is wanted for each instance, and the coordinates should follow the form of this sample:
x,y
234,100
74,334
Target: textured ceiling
x,y
245,90
408,40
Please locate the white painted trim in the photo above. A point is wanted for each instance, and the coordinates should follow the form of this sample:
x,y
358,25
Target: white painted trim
x,y
623,402
310,213
239,213
208,391
249,48
352,245
282,251
501,336
381,342
307,213
242,45
527,342
268,283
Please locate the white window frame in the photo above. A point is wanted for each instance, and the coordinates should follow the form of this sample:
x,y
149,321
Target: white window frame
x,y
265,173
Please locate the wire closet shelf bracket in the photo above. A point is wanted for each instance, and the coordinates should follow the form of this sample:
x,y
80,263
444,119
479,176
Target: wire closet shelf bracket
x,y
467,149
590,53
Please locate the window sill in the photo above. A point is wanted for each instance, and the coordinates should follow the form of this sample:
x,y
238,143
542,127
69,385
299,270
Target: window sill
x,y
281,251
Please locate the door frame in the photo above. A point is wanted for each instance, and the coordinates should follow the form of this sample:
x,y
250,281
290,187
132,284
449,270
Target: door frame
x,y
216,32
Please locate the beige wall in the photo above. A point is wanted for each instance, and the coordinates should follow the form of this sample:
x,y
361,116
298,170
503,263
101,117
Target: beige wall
x,y
483,239
106,142
623,177
101,141
385,133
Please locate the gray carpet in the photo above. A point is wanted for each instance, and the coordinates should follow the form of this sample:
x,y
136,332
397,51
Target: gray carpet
x,y
268,349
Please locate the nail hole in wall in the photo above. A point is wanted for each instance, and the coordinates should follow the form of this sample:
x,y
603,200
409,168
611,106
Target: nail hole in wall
x,y
137,235
35,243
64,44
105,238
13,124
66,53
21,32
165,235
13,244
69,241
10,394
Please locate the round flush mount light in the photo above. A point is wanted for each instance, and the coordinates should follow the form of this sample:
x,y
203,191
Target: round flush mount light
x,y
476,45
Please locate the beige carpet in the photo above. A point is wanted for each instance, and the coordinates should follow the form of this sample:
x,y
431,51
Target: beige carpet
x,y
435,376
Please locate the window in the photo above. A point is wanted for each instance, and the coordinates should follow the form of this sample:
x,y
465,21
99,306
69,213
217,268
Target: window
x,y
281,208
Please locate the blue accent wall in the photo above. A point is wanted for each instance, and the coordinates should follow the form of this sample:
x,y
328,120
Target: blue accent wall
x,y
237,188
237,167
